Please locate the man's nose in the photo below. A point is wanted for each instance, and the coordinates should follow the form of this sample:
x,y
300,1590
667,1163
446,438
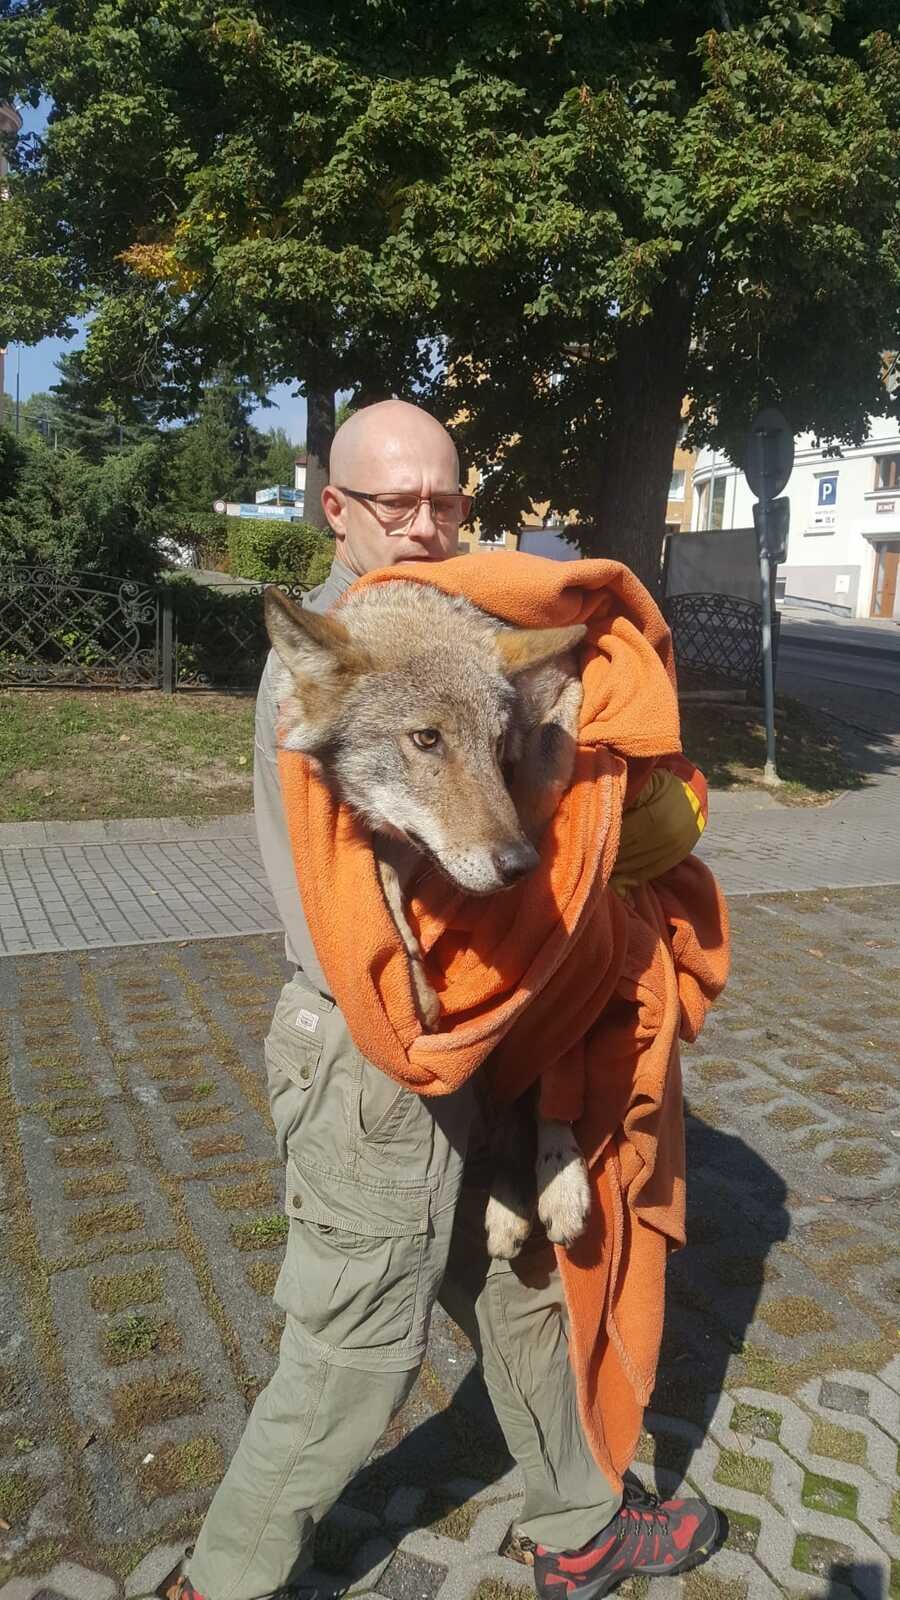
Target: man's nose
x,y
423,523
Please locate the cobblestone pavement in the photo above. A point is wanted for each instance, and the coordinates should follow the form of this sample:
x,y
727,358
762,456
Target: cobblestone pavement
x,y
143,1223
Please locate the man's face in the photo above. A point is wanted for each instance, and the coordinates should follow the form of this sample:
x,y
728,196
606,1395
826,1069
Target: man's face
x,y
409,455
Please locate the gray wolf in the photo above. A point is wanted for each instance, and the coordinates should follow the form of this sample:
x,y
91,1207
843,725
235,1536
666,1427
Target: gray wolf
x,y
448,730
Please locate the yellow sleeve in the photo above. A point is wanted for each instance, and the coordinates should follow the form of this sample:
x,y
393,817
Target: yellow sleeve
x,y
658,831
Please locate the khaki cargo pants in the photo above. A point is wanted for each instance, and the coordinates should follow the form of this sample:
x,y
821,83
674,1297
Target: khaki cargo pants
x,y
383,1222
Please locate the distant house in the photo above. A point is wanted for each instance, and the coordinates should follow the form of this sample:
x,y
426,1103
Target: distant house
x,y
844,541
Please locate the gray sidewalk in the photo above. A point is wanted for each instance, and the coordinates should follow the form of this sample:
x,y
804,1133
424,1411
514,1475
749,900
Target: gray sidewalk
x,y
83,885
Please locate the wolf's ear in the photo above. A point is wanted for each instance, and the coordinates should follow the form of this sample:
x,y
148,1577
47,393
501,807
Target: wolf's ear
x,y
521,648
310,645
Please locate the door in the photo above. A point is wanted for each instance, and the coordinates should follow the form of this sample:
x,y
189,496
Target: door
x,y
884,591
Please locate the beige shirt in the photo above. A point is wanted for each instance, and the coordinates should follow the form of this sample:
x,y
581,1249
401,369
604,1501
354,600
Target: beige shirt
x,y
271,828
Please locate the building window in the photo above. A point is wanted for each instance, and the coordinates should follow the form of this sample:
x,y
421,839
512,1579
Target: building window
x,y
676,487
887,472
712,510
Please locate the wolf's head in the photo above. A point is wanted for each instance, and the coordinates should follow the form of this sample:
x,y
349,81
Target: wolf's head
x,y
416,706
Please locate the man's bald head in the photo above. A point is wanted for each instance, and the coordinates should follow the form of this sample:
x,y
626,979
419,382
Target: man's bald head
x,y
389,448
377,434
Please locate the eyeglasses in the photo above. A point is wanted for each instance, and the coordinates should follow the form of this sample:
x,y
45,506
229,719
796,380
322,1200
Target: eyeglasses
x,y
397,512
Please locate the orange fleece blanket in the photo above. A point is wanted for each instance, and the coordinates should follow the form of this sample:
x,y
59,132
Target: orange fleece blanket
x,y
559,978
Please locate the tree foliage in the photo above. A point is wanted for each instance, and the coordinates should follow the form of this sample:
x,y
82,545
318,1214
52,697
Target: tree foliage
x,y
552,219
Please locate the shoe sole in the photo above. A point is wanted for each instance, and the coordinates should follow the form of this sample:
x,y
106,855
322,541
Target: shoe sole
x,y
605,1586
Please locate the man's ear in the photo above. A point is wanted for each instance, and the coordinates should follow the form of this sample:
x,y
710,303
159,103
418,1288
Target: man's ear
x,y
311,646
521,648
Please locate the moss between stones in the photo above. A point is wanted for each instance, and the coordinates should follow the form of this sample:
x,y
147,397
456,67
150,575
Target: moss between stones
x,y
444,1513
829,1494
738,1471
95,1186
858,1161
124,1289
173,1065
203,1116
335,1546
706,1586
221,1144
756,1421
19,1494
109,1219
261,1234
147,1400
841,1444
196,1464
895,1512
743,1532
796,1314
244,1196
791,1117
738,1272
499,1589
138,1337
174,1092
263,1276
65,1124
7,1389
98,1153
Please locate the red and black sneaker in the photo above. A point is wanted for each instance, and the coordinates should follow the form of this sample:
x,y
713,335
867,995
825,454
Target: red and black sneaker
x,y
647,1537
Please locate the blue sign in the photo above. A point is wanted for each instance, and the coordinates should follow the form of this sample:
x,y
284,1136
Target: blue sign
x,y
279,513
828,490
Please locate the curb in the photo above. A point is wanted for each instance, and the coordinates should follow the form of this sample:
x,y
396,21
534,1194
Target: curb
x,y
125,830
875,652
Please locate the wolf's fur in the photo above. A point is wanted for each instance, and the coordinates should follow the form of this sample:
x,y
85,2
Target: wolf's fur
x,y
497,708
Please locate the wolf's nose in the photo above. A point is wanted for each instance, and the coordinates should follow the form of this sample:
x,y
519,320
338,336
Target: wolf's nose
x,y
514,860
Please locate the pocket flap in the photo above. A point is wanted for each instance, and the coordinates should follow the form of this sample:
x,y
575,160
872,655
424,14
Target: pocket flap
x,y
354,1205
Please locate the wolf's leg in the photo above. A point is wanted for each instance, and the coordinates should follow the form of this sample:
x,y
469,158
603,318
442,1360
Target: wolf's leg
x,y
426,999
564,1194
512,1204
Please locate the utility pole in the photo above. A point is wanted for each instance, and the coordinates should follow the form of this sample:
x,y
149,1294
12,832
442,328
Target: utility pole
x,y
768,463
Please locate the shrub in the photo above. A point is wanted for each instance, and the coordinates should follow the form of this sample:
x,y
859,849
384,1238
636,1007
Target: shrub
x,y
278,552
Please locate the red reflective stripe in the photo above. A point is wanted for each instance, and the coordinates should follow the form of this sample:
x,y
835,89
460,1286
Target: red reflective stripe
x,y
684,1533
587,1561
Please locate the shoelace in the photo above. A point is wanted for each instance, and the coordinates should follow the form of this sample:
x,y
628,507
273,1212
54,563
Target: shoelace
x,y
639,1505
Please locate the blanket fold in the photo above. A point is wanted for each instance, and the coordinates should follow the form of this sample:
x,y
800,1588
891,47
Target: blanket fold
x,y
561,978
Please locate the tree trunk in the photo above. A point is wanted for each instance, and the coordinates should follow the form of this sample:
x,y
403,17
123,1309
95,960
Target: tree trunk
x,y
319,434
634,464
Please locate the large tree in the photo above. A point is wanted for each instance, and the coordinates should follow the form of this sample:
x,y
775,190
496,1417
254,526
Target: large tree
x,y
556,219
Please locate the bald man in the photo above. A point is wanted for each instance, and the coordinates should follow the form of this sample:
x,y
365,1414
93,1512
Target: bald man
x,y
387,1215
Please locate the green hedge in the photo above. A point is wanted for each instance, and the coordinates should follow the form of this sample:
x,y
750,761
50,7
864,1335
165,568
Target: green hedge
x,y
270,551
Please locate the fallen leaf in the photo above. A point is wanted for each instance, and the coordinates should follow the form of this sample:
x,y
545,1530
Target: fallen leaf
x,y
4,1526
825,1199
819,953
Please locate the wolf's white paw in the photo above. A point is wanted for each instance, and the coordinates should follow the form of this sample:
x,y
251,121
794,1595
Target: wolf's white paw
x,y
506,1230
564,1192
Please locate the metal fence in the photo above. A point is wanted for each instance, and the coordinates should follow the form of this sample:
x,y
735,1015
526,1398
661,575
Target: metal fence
x,y
720,636
94,631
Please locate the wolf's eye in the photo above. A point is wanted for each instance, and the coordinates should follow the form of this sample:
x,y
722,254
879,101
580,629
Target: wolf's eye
x,y
425,738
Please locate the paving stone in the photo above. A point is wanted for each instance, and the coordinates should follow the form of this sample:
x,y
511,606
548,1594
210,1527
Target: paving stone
x,y
149,1573
844,1397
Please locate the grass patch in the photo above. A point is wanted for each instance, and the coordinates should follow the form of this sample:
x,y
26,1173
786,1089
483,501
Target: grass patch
x,y
19,1494
196,1464
263,1276
738,1471
126,1289
796,1313
444,1514
841,1444
144,1401
499,1589
757,1422
108,1219
743,1532
202,1116
791,1117
123,755
730,748
66,1123
174,1092
261,1234
94,1153
829,1494
220,1144
244,1196
858,1161
96,1185
138,1337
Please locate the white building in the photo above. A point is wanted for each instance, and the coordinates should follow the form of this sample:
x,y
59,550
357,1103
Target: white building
x,y
844,542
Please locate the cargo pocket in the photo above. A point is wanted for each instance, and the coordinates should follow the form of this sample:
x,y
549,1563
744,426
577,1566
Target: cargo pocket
x,y
292,1063
352,1277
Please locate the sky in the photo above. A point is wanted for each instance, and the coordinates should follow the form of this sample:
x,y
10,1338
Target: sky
x,y
36,369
